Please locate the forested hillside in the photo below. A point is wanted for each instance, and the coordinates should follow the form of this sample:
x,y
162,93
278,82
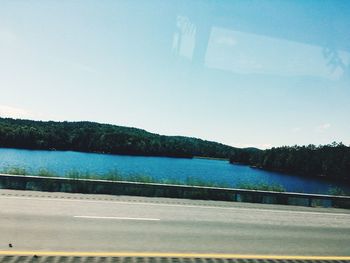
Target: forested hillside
x,y
104,138
331,161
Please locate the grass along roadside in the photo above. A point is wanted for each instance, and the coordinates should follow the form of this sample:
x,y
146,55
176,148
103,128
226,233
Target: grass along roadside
x,y
112,176
115,175
262,186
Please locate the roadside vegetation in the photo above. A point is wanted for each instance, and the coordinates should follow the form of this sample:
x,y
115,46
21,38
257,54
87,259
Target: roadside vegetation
x,y
338,191
112,176
262,187
117,176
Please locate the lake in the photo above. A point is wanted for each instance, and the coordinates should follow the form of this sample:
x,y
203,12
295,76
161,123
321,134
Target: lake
x,y
218,171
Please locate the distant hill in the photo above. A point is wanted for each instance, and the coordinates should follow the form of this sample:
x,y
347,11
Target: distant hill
x,y
104,138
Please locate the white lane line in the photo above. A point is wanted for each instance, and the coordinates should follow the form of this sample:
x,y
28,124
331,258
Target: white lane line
x,y
183,206
119,218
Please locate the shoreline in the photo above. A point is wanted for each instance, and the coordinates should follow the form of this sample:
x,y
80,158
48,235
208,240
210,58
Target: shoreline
x,y
210,158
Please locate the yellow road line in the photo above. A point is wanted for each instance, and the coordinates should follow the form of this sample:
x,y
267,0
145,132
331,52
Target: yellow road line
x,y
169,255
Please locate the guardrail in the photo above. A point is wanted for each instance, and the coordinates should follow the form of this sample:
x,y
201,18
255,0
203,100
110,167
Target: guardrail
x,y
61,184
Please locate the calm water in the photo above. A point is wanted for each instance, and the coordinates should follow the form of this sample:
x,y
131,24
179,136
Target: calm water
x,y
62,162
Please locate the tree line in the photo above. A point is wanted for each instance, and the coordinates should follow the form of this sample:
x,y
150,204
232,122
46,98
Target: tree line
x,y
103,138
330,161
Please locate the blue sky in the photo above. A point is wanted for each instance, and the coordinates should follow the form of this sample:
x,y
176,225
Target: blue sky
x,y
244,73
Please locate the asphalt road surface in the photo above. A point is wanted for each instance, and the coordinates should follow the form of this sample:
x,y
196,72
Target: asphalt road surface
x,y
36,221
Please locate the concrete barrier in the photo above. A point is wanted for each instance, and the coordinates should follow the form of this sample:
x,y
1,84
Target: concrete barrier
x,y
61,184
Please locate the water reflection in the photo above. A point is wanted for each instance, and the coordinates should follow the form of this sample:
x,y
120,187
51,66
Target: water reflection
x,y
184,37
245,53
261,37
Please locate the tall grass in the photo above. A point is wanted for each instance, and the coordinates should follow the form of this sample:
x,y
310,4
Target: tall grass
x,y
262,187
14,171
115,175
337,191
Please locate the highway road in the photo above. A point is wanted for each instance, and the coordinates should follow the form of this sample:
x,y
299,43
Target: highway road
x,y
36,221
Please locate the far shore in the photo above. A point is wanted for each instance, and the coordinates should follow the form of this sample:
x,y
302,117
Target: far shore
x,y
210,158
